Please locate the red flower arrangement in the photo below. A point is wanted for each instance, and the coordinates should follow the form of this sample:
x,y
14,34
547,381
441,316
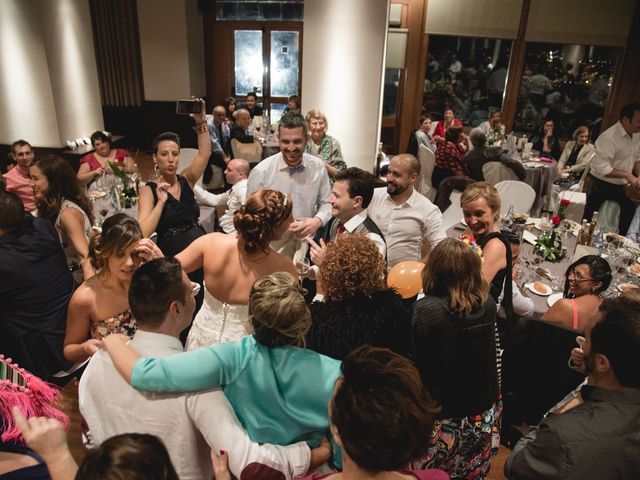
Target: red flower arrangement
x,y
556,220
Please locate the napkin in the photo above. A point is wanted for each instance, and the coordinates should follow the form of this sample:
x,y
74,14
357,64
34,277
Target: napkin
x,y
529,237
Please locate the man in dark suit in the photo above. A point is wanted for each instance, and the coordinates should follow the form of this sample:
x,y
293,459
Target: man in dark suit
x,y
350,196
220,147
482,154
35,287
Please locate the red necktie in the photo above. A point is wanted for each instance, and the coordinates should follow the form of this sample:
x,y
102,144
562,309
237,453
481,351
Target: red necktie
x,y
340,230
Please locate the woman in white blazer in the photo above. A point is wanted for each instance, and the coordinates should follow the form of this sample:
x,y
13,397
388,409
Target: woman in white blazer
x,y
577,154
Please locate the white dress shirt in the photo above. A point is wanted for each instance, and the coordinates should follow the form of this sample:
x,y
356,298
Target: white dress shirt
x,y
233,198
615,148
522,305
186,423
308,185
405,226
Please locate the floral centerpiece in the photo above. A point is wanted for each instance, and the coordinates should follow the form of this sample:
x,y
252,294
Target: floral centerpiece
x,y
566,223
471,241
129,191
549,246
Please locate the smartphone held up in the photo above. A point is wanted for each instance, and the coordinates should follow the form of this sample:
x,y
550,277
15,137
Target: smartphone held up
x,y
187,107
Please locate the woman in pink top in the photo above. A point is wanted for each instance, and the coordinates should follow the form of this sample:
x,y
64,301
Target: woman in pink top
x,y
96,163
449,120
586,279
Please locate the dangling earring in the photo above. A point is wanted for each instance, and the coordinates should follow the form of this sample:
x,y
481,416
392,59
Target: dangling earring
x,y
156,170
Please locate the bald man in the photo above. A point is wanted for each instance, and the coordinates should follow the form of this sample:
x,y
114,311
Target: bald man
x,y
405,216
236,174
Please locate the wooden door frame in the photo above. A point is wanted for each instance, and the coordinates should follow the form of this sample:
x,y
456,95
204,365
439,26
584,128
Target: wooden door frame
x,y
219,52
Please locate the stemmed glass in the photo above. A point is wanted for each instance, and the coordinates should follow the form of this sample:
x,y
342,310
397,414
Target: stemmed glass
x,y
103,205
302,266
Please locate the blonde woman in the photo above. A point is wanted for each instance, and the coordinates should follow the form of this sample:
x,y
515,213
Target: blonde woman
x,y
322,145
293,384
577,154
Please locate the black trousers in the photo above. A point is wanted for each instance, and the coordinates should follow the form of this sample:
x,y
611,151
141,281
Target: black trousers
x,y
599,192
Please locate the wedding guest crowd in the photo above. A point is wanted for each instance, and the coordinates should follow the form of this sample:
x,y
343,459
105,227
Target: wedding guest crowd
x,y
199,354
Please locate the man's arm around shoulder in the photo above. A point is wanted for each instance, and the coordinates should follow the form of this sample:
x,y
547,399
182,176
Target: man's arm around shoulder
x,y
213,416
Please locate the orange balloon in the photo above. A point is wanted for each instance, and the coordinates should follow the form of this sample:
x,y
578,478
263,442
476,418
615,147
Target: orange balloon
x,y
406,278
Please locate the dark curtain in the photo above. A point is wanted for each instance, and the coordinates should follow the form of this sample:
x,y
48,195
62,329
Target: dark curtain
x,y
117,45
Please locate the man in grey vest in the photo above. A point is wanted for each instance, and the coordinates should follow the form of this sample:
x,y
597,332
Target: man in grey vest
x,y
350,196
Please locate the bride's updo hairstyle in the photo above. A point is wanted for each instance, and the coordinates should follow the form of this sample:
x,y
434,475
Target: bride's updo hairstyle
x,y
119,232
257,219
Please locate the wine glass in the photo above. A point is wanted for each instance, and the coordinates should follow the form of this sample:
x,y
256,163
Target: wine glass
x,y
103,207
302,266
545,223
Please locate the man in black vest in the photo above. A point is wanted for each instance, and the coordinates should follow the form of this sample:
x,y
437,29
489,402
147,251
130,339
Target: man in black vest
x,y
350,196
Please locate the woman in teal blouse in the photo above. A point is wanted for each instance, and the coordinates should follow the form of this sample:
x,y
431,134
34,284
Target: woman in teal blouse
x,y
278,390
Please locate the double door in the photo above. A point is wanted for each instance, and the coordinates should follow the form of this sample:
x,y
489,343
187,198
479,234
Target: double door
x,y
267,61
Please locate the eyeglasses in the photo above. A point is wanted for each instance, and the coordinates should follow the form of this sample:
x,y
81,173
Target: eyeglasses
x,y
578,277
195,289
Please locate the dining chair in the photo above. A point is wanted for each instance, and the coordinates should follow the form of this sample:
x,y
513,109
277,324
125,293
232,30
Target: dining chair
x,y
535,373
494,172
575,210
186,157
453,214
427,161
515,193
251,152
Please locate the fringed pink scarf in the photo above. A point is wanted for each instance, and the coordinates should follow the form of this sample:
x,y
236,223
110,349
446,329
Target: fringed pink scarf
x,y
33,396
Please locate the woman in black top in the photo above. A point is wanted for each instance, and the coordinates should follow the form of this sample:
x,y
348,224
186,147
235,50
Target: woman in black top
x,y
167,204
455,351
546,142
358,308
480,204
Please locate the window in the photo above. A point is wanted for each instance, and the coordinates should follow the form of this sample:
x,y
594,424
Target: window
x,y
391,89
468,74
569,84
274,10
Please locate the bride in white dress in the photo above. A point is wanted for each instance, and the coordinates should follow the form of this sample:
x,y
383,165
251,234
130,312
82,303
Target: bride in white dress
x,y
233,263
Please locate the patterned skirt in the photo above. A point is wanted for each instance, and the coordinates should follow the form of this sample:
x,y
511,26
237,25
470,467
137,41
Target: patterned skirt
x,y
464,447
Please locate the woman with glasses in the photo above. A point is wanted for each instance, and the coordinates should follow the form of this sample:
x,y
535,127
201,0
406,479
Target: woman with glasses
x,y
585,280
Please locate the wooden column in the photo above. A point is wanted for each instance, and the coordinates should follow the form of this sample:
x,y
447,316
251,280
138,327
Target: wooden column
x,y
414,72
626,77
516,65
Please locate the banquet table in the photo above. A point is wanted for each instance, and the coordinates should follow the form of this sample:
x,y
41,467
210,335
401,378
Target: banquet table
x,y
540,176
557,269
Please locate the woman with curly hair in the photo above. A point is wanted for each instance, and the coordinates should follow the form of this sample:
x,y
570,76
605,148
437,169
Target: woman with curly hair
x,y
357,308
232,263
293,384
62,199
100,305
454,347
